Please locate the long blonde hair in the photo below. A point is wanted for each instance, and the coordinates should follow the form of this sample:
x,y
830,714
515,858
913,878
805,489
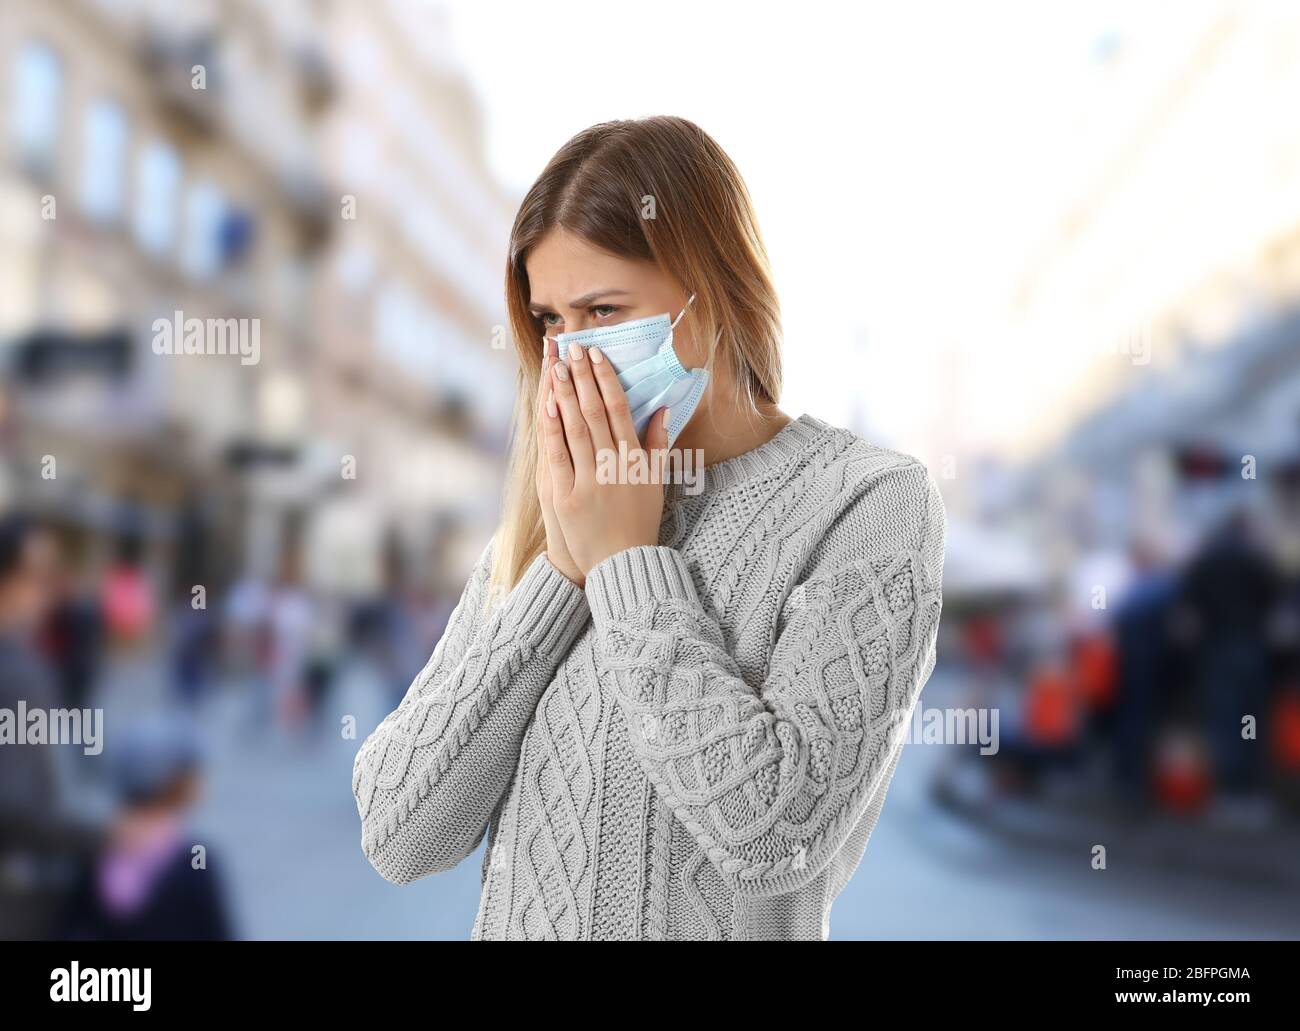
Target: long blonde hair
x,y
651,189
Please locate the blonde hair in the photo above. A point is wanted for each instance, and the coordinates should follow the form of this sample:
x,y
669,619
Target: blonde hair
x,y
651,189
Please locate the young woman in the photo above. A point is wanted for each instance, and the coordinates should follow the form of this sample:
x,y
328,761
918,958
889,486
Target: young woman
x,y
674,709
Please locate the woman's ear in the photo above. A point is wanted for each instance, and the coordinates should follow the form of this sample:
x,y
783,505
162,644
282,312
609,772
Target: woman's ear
x,y
686,343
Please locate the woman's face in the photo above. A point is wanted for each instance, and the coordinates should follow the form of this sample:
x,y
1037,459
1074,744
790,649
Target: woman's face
x,y
575,286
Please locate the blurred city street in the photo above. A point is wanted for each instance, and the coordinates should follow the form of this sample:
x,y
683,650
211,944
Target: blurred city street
x,y
256,393
928,876
278,809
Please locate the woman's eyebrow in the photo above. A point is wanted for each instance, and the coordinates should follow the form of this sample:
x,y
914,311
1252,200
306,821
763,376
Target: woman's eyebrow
x,y
595,295
585,299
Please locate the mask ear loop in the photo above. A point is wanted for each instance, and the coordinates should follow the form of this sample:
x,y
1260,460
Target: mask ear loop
x,y
689,301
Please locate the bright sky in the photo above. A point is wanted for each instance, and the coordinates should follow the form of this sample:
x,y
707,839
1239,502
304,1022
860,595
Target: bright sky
x,y
908,161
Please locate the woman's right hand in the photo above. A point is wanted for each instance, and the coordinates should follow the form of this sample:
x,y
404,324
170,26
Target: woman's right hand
x,y
557,551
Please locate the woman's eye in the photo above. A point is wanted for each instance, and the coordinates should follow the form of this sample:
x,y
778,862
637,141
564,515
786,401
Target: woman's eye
x,y
603,311
547,317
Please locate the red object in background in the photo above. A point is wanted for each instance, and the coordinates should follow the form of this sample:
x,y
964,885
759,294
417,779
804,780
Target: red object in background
x,y
982,639
1051,709
1286,733
1182,789
128,603
1181,776
1202,462
1096,670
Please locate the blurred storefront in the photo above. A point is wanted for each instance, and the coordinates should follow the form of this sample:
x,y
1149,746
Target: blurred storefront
x,y
309,169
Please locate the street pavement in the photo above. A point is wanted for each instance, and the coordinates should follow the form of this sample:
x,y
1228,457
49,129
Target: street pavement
x,y
279,816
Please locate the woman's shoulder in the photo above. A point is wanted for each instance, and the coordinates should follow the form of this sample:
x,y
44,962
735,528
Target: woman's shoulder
x,y
871,492
858,464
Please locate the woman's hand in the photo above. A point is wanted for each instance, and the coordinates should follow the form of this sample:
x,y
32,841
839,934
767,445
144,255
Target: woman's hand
x,y
585,421
557,552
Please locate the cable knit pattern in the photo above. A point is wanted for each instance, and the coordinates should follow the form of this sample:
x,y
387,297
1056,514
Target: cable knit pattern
x,y
698,744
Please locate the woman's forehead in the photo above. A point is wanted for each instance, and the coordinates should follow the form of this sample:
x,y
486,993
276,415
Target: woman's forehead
x,y
562,272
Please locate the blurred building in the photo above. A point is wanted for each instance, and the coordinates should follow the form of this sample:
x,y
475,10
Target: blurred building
x,y
418,369
1168,293
310,169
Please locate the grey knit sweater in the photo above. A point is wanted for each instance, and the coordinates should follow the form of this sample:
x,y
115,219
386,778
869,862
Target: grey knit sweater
x,y
696,745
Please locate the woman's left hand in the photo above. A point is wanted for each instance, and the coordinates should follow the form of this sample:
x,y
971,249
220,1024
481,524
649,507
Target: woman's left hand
x,y
600,511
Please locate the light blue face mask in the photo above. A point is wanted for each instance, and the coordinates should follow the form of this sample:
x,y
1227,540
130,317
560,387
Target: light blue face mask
x,y
648,368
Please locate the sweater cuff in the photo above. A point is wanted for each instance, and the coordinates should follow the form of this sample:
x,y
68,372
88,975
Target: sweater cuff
x,y
635,577
546,608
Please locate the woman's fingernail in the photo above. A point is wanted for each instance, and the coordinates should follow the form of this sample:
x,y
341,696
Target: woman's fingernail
x,y
666,411
575,352
561,371
550,403
596,356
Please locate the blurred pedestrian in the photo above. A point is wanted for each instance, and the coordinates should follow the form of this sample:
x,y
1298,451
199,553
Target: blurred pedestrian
x,y
324,657
72,639
291,612
193,628
1229,591
40,839
129,604
1145,660
246,643
149,883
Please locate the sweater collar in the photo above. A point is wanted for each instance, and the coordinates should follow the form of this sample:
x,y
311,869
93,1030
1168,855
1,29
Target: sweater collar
x,y
796,437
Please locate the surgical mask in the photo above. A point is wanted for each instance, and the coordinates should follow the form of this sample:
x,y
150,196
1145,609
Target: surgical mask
x,y
649,371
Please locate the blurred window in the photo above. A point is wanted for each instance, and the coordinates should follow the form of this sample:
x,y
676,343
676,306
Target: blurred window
x,y
403,329
38,90
103,166
204,214
157,197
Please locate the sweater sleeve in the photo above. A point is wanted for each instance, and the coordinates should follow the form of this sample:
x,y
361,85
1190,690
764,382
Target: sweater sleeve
x,y
770,778
427,779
